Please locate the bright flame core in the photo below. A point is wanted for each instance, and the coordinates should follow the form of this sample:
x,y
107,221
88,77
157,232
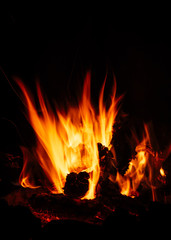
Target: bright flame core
x,y
67,142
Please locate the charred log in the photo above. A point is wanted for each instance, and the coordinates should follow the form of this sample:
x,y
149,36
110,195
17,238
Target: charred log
x,y
107,161
76,185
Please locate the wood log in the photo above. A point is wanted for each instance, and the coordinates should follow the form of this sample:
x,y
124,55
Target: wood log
x,y
76,185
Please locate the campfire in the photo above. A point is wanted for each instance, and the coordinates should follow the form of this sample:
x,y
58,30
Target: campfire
x,y
73,170
70,144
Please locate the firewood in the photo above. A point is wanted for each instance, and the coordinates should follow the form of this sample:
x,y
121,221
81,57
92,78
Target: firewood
x,y
76,185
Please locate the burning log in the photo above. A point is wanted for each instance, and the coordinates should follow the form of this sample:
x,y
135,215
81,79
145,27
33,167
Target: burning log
x,y
76,185
107,168
105,157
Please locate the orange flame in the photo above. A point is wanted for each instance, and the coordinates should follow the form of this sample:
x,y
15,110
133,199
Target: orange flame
x,y
67,142
146,160
162,172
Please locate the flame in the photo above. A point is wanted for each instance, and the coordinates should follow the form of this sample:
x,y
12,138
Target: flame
x,y
67,142
134,175
162,172
143,168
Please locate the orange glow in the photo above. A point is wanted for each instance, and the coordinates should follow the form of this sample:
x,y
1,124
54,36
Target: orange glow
x,y
162,172
133,176
67,142
136,172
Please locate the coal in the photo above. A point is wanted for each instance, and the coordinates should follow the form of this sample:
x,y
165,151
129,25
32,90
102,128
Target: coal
x,y
49,207
76,184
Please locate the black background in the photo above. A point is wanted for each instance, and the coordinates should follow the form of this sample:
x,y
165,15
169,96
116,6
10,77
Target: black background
x,y
58,45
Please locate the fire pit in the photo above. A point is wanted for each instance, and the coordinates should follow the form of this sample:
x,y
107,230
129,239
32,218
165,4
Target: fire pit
x,y
72,175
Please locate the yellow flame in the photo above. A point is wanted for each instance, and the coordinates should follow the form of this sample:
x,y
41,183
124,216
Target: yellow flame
x,y
67,142
162,172
135,173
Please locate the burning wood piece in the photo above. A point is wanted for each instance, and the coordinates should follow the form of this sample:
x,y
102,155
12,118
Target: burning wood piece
x,y
76,185
105,155
107,166
107,161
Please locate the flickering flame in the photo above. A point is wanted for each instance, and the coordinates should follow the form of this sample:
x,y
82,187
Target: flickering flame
x,y
67,142
162,172
143,168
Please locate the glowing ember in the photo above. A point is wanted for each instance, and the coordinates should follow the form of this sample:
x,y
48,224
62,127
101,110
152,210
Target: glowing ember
x,y
67,142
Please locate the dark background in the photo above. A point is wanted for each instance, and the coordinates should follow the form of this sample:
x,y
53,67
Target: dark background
x,y
57,45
